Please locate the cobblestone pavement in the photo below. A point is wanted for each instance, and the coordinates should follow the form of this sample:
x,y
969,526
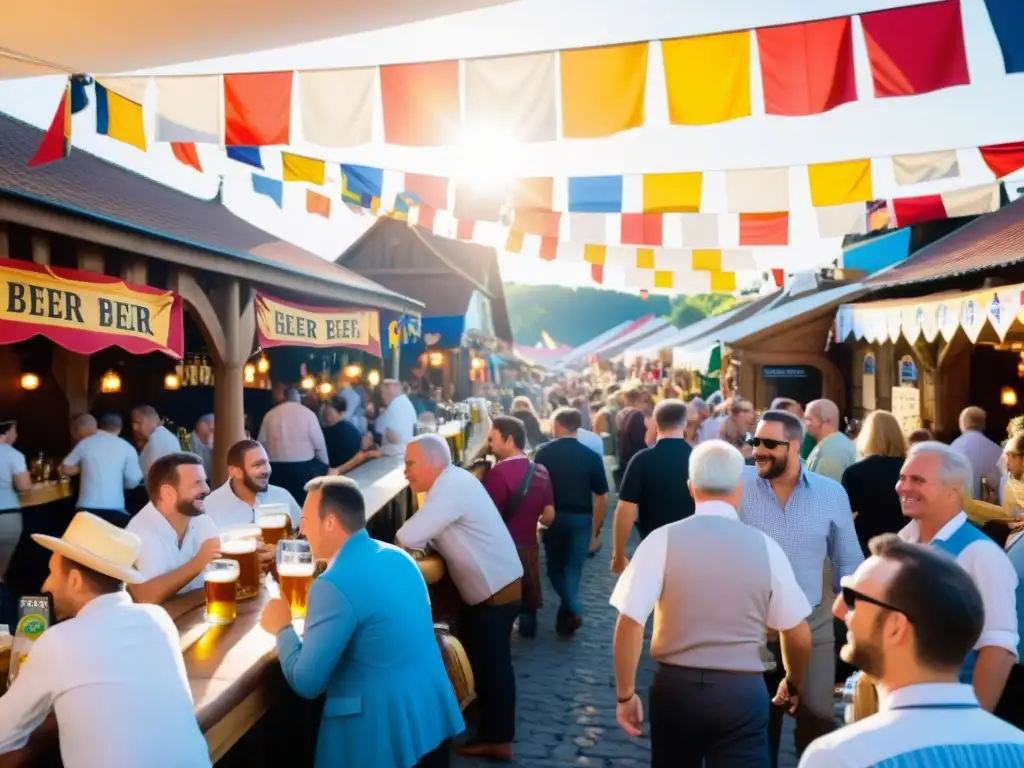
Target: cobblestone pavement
x,y
566,688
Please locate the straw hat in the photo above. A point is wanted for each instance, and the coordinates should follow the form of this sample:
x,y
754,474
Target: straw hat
x,y
93,542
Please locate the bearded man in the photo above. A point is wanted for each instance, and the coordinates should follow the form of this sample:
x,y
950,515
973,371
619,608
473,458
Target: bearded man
x,y
177,540
247,488
809,516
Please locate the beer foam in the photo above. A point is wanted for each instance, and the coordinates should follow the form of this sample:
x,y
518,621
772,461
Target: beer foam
x,y
271,509
224,576
296,569
237,546
273,521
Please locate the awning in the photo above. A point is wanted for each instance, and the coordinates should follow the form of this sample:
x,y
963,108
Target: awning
x,y
283,323
85,312
930,316
696,359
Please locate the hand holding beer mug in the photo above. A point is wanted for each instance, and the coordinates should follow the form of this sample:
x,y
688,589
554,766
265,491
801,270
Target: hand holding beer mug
x,y
274,523
239,544
295,567
221,577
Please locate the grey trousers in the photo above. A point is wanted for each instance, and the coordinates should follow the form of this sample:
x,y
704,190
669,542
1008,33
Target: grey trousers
x,y
708,719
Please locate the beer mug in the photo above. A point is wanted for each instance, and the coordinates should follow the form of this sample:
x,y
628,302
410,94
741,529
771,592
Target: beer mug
x,y
240,544
295,568
221,578
274,523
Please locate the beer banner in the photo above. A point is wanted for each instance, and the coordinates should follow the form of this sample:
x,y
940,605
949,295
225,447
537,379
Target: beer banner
x,y
286,324
86,312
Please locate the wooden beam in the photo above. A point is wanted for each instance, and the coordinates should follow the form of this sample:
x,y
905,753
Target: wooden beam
x,y
41,248
5,243
90,257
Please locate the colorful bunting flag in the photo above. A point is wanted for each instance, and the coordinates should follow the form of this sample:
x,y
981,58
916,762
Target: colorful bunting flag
x,y
56,142
757,190
672,192
533,194
595,194
362,185
916,49
548,248
706,260
973,201
272,188
925,166
603,90
185,152
597,273
595,254
257,109
465,229
337,106
317,204
700,230
534,222
247,155
915,210
1007,18
723,282
188,109
764,228
807,68
839,183
421,103
707,78
842,220
479,202
1003,159
779,277
426,190
299,168
641,229
588,228
516,93
644,258
119,118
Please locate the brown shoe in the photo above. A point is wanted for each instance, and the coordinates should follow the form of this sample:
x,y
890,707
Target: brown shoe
x,y
497,753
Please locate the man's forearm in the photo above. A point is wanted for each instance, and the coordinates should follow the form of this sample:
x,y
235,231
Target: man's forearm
x,y
600,508
627,645
990,674
162,588
622,524
796,652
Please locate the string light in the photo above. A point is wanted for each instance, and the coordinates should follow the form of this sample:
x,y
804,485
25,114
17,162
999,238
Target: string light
x,y
172,382
110,382
29,381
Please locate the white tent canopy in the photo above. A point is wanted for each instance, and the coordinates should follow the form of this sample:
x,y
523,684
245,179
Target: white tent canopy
x,y
616,345
650,347
584,350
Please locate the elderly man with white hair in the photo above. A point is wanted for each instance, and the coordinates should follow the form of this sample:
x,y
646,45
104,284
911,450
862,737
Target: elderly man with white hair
x,y
834,451
460,520
708,700
931,488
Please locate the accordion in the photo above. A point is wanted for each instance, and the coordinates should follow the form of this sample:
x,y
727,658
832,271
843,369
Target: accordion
x,y
456,664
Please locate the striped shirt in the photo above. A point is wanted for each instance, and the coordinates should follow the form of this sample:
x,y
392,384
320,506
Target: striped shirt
x,y
817,524
930,725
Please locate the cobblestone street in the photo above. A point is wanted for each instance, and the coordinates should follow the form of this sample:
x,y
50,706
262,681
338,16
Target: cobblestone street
x,y
566,688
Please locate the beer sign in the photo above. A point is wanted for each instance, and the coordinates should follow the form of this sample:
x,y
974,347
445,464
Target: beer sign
x,y
86,312
283,323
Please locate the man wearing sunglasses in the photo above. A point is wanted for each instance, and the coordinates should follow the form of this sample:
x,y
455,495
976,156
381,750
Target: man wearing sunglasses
x,y
809,516
932,485
912,616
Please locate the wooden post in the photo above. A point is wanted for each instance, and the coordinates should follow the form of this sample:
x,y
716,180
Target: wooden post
x,y
41,249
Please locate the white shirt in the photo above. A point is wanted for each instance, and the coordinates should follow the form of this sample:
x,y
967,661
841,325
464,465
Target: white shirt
x,y
159,444
459,517
291,432
994,577
160,552
108,466
592,440
903,734
984,456
12,462
400,418
710,428
637,592
116,679
227,510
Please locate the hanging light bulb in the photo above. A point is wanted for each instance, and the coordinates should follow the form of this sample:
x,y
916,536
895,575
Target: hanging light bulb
x,y
353,371
1008,397
111,382
172,381
29,381
373,377
326,388
308,383
249,373
263,364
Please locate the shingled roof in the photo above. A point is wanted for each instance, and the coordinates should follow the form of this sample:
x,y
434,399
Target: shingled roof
x,y
92,188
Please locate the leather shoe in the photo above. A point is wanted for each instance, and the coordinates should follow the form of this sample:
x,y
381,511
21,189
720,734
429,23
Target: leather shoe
x,y
497,753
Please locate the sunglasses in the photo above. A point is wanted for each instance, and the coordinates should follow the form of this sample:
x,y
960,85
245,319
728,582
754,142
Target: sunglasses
x,y
771,445
852,596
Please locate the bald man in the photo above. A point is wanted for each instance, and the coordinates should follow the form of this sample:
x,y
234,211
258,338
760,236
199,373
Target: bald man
x,y
834,451
108,465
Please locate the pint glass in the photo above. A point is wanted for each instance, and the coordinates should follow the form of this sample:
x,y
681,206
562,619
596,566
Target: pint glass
x,y
295,567
220,577
239,544
274,523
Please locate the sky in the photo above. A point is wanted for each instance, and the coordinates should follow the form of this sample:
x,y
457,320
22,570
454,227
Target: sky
x,y
989,111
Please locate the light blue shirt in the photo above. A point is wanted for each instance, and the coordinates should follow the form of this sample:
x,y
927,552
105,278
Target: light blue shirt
x,y
930,725
817,524
12,462
108,465
159,444
592,440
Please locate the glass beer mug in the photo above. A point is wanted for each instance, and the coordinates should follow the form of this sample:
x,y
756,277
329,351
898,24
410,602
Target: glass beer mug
x,y
221,579
295,568
240,544
274,523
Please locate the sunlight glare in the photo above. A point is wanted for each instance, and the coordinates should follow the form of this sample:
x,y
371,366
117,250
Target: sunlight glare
x,y
485,157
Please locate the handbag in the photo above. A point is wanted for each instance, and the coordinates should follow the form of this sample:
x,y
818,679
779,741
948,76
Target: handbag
x,y
512,505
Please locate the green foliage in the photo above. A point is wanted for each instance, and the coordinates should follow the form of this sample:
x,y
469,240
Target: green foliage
x,y
573,316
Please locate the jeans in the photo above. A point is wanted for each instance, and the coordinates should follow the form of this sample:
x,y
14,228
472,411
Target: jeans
x,y
566,545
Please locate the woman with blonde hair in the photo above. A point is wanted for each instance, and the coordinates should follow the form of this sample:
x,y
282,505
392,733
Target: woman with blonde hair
x,y
871,482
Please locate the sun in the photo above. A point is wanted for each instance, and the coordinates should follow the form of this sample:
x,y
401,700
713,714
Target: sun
x,y
486,157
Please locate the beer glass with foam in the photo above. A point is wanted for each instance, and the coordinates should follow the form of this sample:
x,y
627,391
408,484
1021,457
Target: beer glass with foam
x,y
295,568
221,578
239,544
274,523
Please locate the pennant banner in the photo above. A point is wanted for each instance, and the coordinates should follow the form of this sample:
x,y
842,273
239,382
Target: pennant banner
x,y
284,323
85,312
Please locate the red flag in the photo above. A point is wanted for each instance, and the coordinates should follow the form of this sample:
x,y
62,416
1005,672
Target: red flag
x,y
427,190
317,204
764,228
464,229
916,49
1003,159
257,109
421,103
779,276
548,248
641,229
186,154
56,142
597,273
915,210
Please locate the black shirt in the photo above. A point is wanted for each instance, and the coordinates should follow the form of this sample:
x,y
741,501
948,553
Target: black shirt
x,y
655,480
871,485
576,474
343,442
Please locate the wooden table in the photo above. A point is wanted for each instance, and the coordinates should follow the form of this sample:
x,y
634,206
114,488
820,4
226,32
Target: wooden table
x,y
44,493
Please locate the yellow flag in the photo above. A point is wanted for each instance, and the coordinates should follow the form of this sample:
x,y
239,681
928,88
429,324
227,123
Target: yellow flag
x,y
299,168
839,183
603,90
672,192
663,278
723,282
645,258
708,260
707,78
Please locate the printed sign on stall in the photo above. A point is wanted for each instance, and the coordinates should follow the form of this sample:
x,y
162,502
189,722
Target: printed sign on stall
x,y
283,323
